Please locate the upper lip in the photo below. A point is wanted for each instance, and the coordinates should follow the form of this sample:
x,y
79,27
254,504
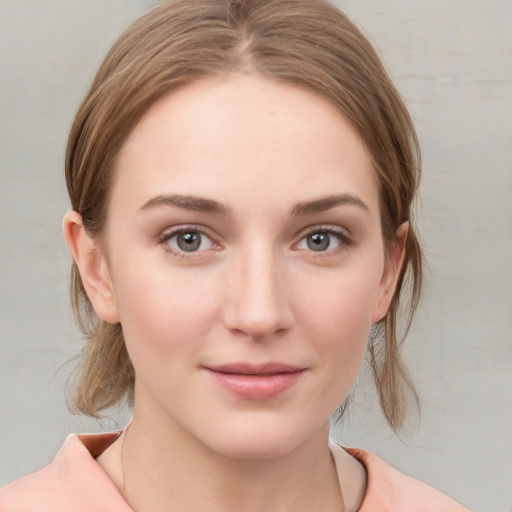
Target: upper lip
x,y
255,369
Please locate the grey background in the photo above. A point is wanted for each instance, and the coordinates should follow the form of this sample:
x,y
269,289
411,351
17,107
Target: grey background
x,y
452,61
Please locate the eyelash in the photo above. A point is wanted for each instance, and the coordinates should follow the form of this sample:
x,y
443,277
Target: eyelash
x,y
166,237
341,237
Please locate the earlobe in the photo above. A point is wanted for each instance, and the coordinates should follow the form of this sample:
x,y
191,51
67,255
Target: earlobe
x,y
92,266
391,274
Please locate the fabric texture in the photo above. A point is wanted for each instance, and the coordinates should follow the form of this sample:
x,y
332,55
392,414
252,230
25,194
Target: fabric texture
x,y
388,490
75,482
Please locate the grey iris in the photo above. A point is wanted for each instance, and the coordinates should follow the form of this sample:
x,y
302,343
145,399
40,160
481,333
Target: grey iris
x,y
318,241
189,241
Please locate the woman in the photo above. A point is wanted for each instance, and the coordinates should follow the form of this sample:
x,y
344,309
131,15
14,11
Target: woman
x,y
241,176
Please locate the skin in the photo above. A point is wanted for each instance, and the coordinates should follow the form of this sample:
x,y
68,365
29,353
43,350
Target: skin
x,y
283,273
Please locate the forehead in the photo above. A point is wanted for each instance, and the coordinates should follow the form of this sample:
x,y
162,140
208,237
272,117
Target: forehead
x,y
244,137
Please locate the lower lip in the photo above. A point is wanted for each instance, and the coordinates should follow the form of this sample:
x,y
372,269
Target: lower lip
x,y
257,387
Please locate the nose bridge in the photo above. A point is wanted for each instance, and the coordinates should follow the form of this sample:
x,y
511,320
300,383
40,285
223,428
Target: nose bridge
x,y
258,303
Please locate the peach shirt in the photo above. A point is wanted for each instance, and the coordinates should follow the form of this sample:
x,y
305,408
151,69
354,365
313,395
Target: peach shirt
x,y
75,482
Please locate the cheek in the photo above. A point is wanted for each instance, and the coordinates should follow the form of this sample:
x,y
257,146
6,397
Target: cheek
x,y
162,313
343,302
339,321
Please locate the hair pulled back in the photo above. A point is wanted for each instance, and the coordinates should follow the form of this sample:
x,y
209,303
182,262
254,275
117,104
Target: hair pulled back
x,y
308,43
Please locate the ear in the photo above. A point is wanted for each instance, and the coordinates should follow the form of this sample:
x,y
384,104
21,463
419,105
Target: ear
x,y
93,267
392,268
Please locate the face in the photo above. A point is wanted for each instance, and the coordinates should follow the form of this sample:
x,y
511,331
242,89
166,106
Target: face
x,y
244,253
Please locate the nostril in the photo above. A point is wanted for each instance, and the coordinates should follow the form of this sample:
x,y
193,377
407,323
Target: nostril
x,y
256,301
258,323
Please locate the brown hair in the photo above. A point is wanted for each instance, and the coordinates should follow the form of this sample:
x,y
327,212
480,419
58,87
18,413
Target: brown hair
x,y
308,43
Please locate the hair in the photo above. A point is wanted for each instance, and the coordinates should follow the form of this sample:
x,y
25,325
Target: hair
x,y
307,43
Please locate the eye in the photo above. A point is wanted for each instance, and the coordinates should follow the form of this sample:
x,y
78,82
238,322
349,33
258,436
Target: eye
x,y
323,240
188,240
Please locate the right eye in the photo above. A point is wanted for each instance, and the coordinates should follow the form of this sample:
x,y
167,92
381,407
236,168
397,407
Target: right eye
x,y
187,240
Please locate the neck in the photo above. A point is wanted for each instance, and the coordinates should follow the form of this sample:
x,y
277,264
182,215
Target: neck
x,y
156,462
197,478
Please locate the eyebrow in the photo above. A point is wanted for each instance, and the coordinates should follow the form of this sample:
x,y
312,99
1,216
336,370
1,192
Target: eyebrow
x,y
201,204
326,203
198,204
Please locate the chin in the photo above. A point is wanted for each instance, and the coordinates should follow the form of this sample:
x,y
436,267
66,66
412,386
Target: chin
x,y
261,440
259,449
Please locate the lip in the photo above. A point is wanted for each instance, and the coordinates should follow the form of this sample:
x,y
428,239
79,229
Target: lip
x,y
256,381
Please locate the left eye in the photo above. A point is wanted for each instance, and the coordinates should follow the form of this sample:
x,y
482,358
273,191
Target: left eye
x,y
189,240
321,241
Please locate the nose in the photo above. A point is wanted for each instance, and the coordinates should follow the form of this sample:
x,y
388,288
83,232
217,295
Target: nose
x,y
258,302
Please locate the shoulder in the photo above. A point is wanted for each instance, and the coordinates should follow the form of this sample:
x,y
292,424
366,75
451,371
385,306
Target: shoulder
x,y
72,482
388,490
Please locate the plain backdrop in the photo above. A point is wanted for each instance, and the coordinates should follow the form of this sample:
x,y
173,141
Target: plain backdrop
x,y
452,61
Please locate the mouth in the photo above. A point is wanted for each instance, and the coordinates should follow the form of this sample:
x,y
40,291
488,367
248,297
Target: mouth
x,y
256,381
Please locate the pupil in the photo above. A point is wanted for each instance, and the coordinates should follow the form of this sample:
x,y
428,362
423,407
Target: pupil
x,y
189,241
318,242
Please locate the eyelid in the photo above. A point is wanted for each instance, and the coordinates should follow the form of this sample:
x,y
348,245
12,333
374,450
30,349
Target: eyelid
x,y
170,232
326,228
342,234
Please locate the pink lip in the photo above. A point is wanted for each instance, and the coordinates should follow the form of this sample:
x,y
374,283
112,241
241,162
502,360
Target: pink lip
x,y
256,381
